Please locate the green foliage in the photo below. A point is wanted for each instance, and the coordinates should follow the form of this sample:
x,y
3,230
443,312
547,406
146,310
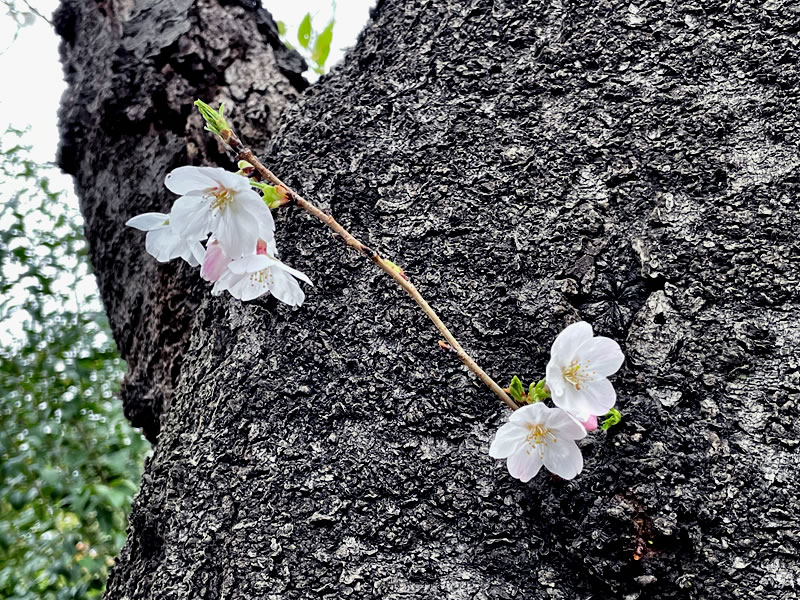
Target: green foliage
x,y
612,418
69,461
536,391
304,31
215,120
517,391
315,46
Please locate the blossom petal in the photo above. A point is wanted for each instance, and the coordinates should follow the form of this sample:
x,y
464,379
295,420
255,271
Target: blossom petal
x,y
251,264
148,221
568,341
563,425
600,396
190,217
530,414
185,180
574,402
563,458
162,244
508,439
524,465
554,376
254,204
299,274
286,289
600,355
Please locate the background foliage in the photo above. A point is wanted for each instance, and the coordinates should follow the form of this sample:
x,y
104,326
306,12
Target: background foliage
x,y
70,462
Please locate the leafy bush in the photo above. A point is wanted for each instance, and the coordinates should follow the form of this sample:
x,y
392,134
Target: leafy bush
x,y
69,461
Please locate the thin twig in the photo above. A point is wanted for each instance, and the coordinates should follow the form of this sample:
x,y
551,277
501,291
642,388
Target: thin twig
x,y
388,267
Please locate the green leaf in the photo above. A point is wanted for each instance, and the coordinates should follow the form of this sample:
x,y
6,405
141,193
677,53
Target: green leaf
x,y
304,31
612,418
281,28
516,390
322,46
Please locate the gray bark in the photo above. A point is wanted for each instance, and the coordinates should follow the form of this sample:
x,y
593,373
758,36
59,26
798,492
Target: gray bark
x,y
528,164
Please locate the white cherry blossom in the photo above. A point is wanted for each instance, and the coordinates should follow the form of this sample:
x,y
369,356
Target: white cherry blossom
x,y
258,274
578,370
164,242
221,203
537,435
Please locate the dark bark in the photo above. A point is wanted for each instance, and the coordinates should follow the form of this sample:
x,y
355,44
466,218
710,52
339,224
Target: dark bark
x,y
528,164
134,69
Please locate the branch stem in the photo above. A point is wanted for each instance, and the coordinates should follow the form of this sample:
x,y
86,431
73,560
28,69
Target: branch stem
x,y
389,268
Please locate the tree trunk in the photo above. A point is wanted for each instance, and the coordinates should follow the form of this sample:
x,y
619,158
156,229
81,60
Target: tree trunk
x,y
528,164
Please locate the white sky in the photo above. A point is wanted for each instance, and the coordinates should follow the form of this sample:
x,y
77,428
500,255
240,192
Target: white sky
x,y
33,83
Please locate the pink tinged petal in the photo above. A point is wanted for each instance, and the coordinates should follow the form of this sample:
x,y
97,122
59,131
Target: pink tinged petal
x,y
564,458
215,263
525,464
599,396
190,217
590,424
563,425
568,341
530,414
286,289
508,439
599,357
186,180
148,221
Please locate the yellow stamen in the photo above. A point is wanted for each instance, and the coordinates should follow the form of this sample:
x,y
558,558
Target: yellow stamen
x,y
538,437
222,197
578,374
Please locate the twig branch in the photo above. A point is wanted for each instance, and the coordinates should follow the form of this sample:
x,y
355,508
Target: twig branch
x,y
244,153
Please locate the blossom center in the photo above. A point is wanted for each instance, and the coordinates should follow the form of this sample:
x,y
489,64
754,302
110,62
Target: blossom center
x,y
578,374
261,277
538,437
221,197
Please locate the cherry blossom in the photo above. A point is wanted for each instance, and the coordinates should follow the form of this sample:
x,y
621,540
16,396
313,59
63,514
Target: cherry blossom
x,y
537,435
261,273
221,203
578,370
164,242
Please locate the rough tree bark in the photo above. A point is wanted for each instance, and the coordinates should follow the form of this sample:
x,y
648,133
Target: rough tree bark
x,y
528,163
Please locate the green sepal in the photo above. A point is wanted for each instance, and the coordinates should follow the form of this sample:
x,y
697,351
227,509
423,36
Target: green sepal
x,y
243,164
516,390
613,417
272,197
215,121
538,392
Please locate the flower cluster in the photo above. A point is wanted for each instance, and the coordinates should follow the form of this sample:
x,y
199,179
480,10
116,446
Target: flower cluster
x,y
576,378
221,209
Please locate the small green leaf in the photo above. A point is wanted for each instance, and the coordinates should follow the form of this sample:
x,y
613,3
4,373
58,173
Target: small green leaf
x,y
612,418
281,28
215,121
304,31
322,46
516,390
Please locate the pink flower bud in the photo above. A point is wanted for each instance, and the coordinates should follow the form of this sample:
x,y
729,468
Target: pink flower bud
x,y
215,263
590,424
